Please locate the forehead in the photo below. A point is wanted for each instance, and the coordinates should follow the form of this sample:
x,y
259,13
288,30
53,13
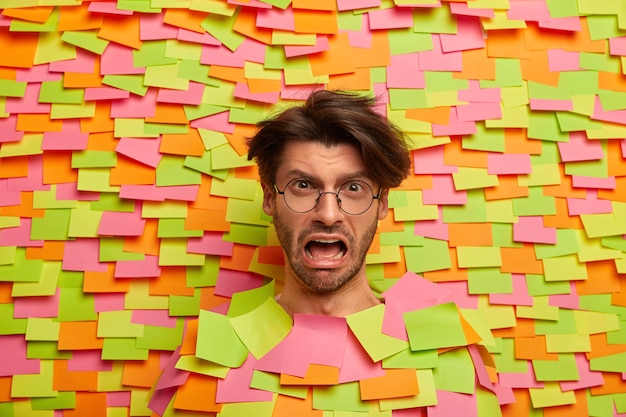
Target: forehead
x,y
342,161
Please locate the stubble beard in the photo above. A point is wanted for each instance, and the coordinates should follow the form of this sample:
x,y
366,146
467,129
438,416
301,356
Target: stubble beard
x,y
323,281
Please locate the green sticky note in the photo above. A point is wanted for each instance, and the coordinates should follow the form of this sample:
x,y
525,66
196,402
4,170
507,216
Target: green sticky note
x,y
568,343
35,385
542,174
535,204
47,199
11,325
505,358
342,397
566,244
257,409
444,81
244,302
7,255
182,50
152,54
502,233
114,349
414,209
132,83
84,221
538,286
194,70
427,395
471,178
410,126
480,325
86,39
593,322
161,338
112,249
488,140
455,372
174,252
242,188
601,225
424,327
96,179
192,363
204,275
171,209
386,254
46,350
65,400
246,234
562,369
204,164
23,269
250,114
548,92
12,88
407,98
405,238
551,395
118,324
540,310
496,316
434,20
263,328
218,342
221,27
175,228
571,122
484,280
406,41
545,126
53,226
225,157
597,168
562,8
508,74
592,250
75,305
610,363
138,297
271,382
612,100
171,171
408,359
181,305
42,329
366,326
434,255
82,110
165,76
54,92
478,256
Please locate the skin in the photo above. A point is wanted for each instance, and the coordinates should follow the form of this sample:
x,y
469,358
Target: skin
x,y
336,287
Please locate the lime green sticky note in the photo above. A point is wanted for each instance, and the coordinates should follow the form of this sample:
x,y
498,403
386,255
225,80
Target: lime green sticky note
x,y
171,209
538,286
65,400
409,126
47,199
502,233
12,88
53,226
161,338
46,350
564,268
568,343
540,310
204,275
7,255
478,256
408,359
592,250
508,74
112,249
564,323
405,238
118,324
247,211
194,70
496,316
484,280
96,179
551,395
247,234
406,98
500,211
11,325
123,349
444,81
414,209
366,326
192,363
562,8
76,305
182,305
480,325
211,138
174,252
218,342
597,168
244,302
225,157
386,254
342,397
406,41
94,159
86,39
182,50
433,255
22,269
545,126
82,110
136,6
165,76
175,228
505,359
35,385
609,363
535,204
614,242
132,83
46,286
42,329
257,409
242,188
263,328
612,100
54,92
470,178
221,27
172,171
112,380
138,297
455,372
204,164
511,117
562,369
426,397
542,174
424,327
566,244
84,221
601,225
594,322
271,382
152,54
434,20
489,140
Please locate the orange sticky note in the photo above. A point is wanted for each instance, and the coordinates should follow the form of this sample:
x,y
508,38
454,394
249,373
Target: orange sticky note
x,y
23,48
338,59
79,335
315,375
437,115
520,260
562,219
79,18
37,14
104,282
236,75
360,79
377,55
102,141
188,347
616,194
533,348
258,85
395,383
537,68
148,243
208,299
189,143
170,113
185,18
314,4
66,380
516,141
24,209
92,404
315,21
210,220
246,25
395,269
128,171
101,121
602,278
477,65
57,168
239,138
291,406
272,255
121,29
508,187
506,44
469,234
37,122
142,373
455,155
241,258
14,167
198,394
84,80
172,281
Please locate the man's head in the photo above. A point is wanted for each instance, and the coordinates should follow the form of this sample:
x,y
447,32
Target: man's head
x,y
326,168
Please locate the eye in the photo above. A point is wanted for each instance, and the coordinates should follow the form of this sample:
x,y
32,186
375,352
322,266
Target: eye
x,y
302,186
356,189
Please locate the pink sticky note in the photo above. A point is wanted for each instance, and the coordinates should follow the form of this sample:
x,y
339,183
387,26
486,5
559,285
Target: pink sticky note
x,y
146,268
579,148
276,18
608,183
34,180
614,116
114,223
617,45
83,255
508,163
192,95
37,73
433,229
473,112
531,229
361,38
458,293
83,63
343,5
155,193
118,59
195,37
529,10
143,150
105,93
391,18
211,243
464,10
88,360
404,72
454,126
8,127
230,282
357,364
218,122
8,197
469,35
236,386
13,360
519,297
553,105
242,91
153,28
42,306
520,380
570,301
590,205
158,318
19,236
108,8
69,191
454,404
135,106
166,385
570,24
430,161
69,139
476,94
29,103
443,192
108,301
321,45
560,60
439,60
118,399
586,377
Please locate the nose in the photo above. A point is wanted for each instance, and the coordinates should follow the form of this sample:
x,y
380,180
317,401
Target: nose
x,y
327,210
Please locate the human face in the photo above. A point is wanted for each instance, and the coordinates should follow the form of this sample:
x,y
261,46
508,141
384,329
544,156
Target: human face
x,y
325,248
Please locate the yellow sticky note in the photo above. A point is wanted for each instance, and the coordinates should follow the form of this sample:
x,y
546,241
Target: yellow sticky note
x,y
468,178
478,256
564,268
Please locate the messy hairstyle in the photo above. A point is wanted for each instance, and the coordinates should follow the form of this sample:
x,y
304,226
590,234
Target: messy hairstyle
x,y
332,118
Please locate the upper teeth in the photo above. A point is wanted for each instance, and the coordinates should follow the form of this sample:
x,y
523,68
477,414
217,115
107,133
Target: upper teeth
x,y
326,241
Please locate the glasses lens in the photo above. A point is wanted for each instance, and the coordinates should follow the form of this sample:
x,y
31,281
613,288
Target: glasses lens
x,y
301,195
355,197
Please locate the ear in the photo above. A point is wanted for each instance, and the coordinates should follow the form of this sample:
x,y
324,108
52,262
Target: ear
x,y
383,204
269,199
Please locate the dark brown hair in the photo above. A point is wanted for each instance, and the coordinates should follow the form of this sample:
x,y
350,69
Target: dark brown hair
x,y
332,118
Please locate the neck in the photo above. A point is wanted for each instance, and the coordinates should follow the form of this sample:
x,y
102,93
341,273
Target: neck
x,y
296,299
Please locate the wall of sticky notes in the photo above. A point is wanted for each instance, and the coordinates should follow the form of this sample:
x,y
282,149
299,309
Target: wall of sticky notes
x,y
127,204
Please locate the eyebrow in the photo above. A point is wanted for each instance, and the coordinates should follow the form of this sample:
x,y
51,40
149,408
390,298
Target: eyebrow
x,y
360,175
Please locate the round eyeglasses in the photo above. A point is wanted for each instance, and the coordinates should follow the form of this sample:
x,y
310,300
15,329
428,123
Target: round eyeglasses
x,y
302,195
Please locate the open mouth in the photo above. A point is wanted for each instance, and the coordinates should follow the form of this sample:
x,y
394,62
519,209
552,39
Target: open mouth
x,y
325,249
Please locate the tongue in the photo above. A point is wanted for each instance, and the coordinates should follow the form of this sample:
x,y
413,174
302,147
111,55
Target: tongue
x,y
324,250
